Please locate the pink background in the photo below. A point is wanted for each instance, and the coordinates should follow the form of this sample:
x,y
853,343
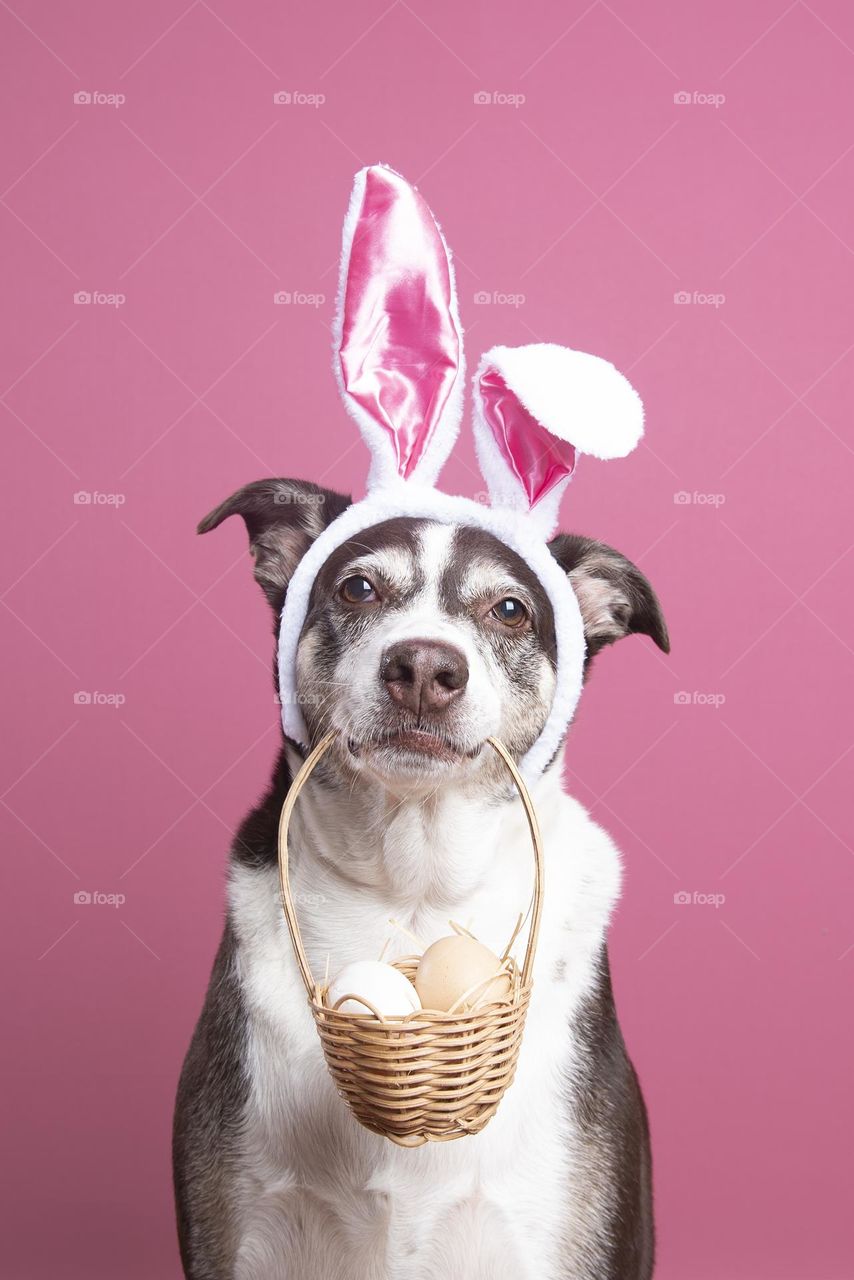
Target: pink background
x,y
598,199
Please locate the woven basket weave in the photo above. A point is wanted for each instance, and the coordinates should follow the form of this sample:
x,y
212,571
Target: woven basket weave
x,y
429,1076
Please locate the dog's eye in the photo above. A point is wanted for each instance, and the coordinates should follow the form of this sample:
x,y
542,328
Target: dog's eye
x,y
511,612
357,590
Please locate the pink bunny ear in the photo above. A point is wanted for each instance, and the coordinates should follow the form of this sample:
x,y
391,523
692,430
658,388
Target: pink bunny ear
x,y
398,341
536,408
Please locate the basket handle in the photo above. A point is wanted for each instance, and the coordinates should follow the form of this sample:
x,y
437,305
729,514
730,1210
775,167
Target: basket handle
x,y
312,759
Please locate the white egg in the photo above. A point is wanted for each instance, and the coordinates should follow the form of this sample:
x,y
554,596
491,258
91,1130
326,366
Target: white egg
x,y
388,990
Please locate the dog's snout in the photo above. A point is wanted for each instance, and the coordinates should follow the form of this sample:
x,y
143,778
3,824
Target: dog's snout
x,y
424,675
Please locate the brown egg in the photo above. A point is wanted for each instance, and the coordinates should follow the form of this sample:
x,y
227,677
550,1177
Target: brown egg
x,y
460,966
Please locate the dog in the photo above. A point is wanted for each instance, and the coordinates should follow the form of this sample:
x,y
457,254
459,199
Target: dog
x,y
422,639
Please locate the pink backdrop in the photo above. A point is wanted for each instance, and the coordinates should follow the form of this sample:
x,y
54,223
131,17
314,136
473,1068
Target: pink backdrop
x,y
666,184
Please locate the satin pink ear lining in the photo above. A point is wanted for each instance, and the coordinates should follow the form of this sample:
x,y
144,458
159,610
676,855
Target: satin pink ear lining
x,y
538,459
401,347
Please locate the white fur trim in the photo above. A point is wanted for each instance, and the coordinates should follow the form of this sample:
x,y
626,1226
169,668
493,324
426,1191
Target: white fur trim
x,y
403,498
383,469
577,397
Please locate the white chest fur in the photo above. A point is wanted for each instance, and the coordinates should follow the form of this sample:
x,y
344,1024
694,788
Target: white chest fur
x,y
323,1199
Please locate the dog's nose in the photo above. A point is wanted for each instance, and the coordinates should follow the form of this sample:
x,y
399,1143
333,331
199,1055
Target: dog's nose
x,y
423,675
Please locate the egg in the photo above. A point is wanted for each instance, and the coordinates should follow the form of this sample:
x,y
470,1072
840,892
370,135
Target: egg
x,y
456,966
388,990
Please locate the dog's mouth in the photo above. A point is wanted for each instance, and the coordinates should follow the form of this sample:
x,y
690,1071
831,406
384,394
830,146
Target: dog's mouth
x,y
415,748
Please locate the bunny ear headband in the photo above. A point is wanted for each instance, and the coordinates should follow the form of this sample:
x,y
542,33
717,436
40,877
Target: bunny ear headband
x,y
400,369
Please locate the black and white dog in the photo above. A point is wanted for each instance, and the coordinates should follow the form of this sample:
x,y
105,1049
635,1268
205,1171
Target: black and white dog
x,y
421,640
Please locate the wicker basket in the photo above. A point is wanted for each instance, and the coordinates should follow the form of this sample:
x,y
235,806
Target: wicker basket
x,y
427,1077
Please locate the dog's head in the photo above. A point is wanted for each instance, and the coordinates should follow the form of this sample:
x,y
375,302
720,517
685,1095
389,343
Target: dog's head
x,y
422,639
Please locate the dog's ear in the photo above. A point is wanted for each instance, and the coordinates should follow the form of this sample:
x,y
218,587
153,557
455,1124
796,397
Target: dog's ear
x,y
614,596
283,518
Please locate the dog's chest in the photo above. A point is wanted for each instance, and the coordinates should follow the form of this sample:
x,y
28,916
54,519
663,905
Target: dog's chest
x,y
322,1198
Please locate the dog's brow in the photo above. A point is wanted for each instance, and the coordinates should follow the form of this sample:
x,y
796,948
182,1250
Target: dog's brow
x,y
483,577
392,564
